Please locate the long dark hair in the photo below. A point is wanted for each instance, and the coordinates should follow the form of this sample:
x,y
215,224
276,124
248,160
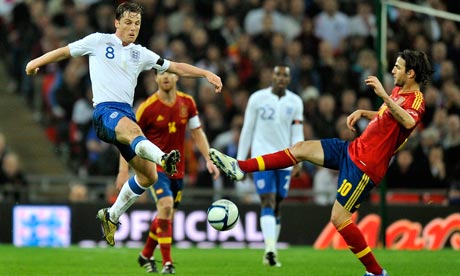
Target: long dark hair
x,y
419,62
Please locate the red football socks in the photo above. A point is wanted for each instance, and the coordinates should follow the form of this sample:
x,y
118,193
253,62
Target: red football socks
x,y
358,245
278,160
164,234
152,240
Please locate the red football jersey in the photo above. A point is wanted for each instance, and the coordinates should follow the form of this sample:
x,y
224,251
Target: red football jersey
x,y
384,135
165,125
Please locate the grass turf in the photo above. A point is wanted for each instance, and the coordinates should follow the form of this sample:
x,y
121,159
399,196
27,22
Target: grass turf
x,y
297,261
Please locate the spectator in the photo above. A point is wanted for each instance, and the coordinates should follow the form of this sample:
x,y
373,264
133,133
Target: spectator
x,y
451,145
364,23
78,193
332,25
437,168
254,21
3,147
325,117
452,137
347,101
231,30
324,186
422,166
13,179
325,66
438,55
451,94
177,19
82,114
439,122
453,192
308,39
432,103
401,172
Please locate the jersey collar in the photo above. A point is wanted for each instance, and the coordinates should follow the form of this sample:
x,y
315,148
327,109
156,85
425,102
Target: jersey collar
x,y
121,42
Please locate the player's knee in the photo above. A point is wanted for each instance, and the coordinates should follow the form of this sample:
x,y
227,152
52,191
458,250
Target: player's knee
x,y
147,179
267,202
166,207
338,219
335,220
126,130
168,210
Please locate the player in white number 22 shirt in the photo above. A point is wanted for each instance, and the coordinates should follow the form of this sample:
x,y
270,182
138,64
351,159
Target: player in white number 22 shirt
x,y
272,121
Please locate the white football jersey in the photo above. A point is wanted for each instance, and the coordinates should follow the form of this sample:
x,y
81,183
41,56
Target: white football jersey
x,y
271,123
114,68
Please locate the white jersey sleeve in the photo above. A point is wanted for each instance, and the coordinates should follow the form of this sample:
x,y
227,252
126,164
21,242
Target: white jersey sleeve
x,y
152,60
246,135
85,46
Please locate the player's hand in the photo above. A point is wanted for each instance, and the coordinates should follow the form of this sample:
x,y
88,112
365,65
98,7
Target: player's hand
x,y
352,119
216,81
31,70
212,169
374,82
296,170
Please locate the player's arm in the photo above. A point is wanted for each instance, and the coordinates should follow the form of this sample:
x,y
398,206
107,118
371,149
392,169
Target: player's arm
x,y
297,134
399,113
247,131
50,57
358,114
201,142
123,173
187,70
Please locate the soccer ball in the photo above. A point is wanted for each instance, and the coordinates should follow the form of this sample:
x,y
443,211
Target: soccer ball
x,y
223,215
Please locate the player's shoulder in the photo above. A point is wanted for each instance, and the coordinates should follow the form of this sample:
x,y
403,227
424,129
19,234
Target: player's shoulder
x,y
185,96
104,36
261,93
149,101
292,96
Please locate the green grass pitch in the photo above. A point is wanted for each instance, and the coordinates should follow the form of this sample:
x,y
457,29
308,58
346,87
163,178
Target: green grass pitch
x,y
297,261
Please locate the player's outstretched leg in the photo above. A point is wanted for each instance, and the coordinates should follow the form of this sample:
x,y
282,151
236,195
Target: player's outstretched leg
x,y
227,164
108,227
169,160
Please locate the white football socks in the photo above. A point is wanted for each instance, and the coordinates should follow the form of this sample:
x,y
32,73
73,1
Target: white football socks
x,y
278,231
268,226
124,200
148,150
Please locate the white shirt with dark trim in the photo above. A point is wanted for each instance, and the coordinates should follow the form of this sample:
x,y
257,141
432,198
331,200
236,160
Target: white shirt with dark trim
x,y
271,123
114,68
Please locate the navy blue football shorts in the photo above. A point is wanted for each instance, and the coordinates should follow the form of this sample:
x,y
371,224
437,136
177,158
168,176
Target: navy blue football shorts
x,y
354,185
106,117
166,186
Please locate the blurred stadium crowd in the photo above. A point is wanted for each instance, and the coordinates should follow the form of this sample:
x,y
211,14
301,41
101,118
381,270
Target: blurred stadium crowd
x,y
330,46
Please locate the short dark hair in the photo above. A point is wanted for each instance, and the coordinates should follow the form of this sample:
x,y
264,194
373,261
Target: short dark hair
x,y
419,62
128,7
